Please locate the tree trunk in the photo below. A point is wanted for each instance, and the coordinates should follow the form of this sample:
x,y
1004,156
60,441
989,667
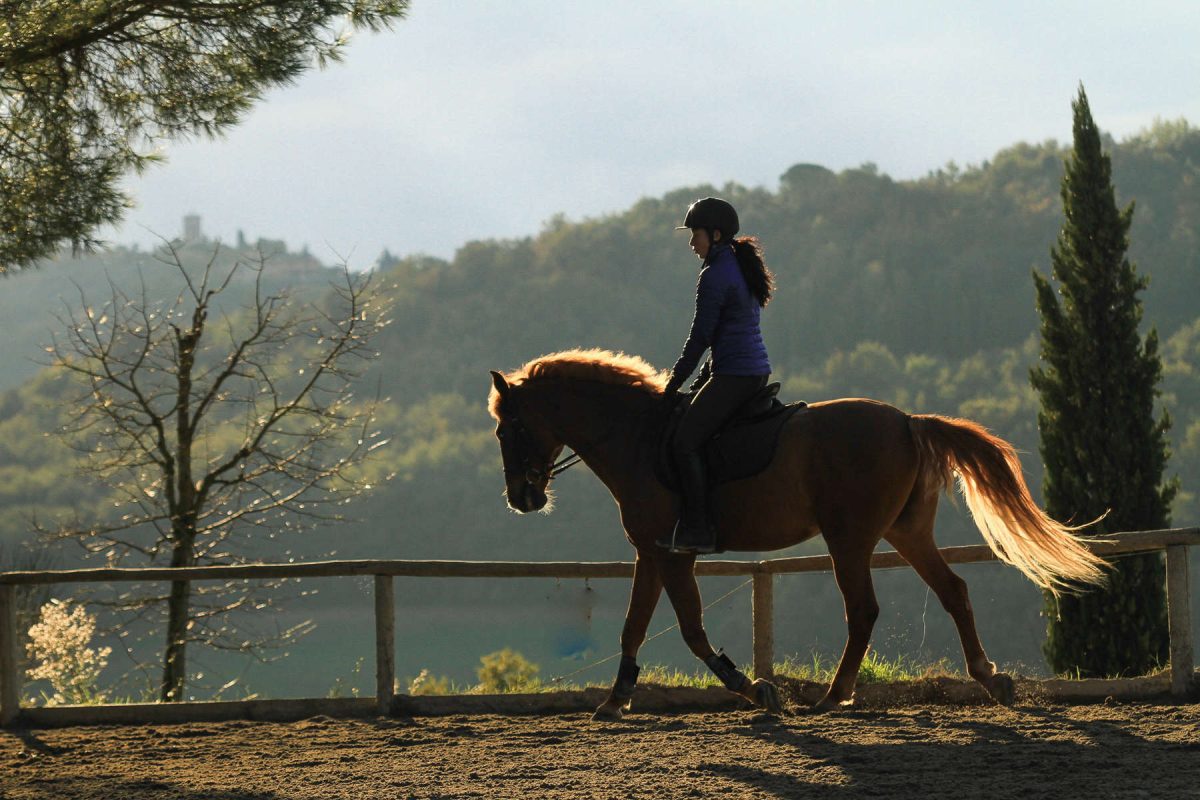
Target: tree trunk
x,y
178,615
184,513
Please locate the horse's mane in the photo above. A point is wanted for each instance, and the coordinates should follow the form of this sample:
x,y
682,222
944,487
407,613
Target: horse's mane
x,y
592,364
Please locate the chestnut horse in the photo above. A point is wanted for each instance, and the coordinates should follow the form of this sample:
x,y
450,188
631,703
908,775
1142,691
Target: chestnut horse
x,y
854,471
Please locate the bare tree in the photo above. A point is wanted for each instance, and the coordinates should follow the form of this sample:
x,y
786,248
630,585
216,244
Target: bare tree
x,y
217,429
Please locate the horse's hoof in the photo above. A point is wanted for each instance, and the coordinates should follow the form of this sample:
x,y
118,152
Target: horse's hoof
x,y
828,704
766,696
1000,686
608,712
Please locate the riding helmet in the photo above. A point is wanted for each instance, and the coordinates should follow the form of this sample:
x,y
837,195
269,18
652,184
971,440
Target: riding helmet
x,y
712,213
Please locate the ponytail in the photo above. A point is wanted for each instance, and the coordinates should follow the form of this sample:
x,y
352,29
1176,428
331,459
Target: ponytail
x,y
749,254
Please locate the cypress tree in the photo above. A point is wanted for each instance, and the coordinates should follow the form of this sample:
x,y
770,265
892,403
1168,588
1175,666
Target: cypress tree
x,y
1103,448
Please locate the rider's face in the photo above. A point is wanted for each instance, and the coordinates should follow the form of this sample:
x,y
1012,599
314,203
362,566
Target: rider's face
x,y
700,243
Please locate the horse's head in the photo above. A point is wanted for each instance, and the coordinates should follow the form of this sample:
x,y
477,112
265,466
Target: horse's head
x,y
527,449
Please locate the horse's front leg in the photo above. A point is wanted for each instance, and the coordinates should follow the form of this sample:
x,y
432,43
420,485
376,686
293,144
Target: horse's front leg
x,y
647,587
679,579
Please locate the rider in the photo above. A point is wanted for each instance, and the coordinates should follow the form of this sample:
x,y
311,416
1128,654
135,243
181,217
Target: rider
x,y
733,287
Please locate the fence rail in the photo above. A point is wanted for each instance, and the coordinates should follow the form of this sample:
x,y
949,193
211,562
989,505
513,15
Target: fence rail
x,y
1174,541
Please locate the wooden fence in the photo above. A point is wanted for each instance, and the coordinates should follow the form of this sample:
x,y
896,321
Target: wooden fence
x,y
1175,542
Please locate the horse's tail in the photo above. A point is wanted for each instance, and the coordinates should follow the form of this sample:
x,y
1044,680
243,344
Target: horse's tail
x,y
989,476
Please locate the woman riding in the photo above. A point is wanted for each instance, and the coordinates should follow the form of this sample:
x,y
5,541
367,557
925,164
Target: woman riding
x,y
733,287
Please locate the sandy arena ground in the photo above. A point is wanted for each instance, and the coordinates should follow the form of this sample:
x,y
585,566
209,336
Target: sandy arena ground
x,y
1121,750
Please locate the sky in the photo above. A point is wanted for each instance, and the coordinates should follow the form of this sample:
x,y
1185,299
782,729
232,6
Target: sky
x,y
477,120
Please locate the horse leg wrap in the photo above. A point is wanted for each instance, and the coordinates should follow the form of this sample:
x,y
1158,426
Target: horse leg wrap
x,y
627,675
723,668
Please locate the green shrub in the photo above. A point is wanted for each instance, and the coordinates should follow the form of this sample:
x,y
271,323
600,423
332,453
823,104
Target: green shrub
x,y
507,671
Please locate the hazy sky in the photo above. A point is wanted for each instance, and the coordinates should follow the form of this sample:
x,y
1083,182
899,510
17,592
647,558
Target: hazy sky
x,y
483,119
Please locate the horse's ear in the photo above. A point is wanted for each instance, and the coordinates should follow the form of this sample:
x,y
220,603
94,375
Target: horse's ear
x,y
500,384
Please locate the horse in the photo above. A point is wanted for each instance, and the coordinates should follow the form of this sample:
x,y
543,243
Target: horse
x,y
855,471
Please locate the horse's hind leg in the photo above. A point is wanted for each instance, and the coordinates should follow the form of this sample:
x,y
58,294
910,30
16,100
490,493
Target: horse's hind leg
x,y
643,597
912,536
679,579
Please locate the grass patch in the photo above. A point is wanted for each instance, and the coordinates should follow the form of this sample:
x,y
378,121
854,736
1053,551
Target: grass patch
x,y
668,676
874,669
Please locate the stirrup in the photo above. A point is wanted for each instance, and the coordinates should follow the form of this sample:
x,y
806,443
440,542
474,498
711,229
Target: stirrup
x,y
673,545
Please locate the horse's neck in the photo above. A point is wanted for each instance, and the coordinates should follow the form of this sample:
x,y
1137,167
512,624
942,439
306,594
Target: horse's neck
x,y
602,424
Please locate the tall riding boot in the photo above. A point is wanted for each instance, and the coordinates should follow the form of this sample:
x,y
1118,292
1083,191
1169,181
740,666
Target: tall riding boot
x,y
695,532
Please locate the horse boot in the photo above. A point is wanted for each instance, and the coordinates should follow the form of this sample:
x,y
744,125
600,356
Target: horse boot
x,y
694,532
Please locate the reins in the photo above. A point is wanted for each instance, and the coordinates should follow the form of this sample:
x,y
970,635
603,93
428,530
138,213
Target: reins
x,y
562,465
533,474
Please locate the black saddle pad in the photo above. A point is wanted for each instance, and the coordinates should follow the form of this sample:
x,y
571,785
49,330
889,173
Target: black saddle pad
x,y
744,447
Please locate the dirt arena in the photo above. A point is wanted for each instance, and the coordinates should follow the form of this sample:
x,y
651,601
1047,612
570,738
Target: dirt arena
x,y
1030,751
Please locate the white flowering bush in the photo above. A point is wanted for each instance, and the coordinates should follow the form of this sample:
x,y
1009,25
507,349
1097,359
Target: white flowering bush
x,y
59,646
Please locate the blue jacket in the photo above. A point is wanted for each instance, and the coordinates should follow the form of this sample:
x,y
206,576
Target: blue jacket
x,y
726,320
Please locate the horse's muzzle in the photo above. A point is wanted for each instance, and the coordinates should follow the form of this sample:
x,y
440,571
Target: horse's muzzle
x,y
528,498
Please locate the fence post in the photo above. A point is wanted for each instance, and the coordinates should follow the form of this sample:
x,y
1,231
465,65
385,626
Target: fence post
x,y
385,644
10,669
764,625
1179,619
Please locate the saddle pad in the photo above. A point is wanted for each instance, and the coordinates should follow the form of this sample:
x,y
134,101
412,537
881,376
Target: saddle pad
x,y
742,449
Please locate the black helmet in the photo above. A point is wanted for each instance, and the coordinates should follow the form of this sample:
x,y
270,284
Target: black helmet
x,y
710,213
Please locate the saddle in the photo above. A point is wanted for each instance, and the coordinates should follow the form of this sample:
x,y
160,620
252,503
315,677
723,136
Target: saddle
x,y
742,448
